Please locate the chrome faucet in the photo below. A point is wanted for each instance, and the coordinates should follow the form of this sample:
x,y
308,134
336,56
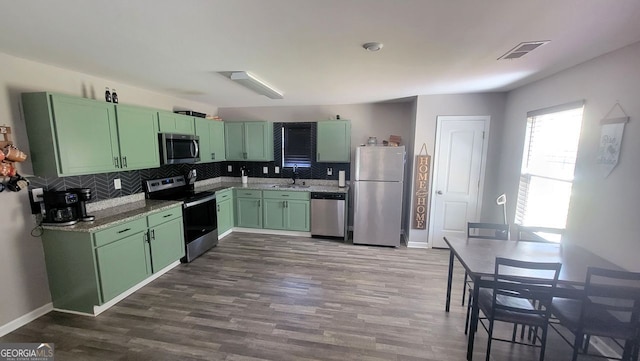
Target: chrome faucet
x,y
294,174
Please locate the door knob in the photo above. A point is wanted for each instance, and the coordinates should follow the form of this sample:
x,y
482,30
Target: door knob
x,y
439,193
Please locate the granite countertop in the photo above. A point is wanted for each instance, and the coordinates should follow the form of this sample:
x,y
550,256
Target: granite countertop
x,y
113,216
118,213
270,186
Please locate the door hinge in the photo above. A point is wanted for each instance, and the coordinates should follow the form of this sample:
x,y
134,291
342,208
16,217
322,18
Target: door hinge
x,y
483,135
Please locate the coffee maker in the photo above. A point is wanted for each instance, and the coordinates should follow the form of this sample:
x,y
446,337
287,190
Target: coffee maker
x,y
84,195
60,208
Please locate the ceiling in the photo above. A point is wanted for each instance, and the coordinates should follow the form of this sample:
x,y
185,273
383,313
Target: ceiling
x,y
311,50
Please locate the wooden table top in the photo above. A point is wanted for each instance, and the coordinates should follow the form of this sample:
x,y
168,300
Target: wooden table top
x,y
478,256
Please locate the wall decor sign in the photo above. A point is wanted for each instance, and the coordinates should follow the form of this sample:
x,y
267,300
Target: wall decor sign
x,y
421,193
611,132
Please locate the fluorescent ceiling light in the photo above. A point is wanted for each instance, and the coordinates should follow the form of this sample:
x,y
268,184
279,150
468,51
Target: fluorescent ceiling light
x,y
248,80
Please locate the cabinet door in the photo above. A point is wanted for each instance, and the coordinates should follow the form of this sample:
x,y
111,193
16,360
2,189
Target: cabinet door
x,y
138,137
334,142
167,244
216,136
225,215
249,212
274,214
175,123
121,265
298,216
202,131
86,135
234,140
258,141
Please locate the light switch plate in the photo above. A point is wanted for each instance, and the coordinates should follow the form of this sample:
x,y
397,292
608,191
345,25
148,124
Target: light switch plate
x,y
117,184
229,168
277,170
265,170
329,171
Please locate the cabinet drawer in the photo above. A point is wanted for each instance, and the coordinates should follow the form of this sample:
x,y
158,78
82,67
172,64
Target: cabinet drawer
x,y
286,195
164,216
223,195
120,231
248,193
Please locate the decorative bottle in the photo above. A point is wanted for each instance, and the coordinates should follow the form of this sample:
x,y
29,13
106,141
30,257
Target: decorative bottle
x,y
107,95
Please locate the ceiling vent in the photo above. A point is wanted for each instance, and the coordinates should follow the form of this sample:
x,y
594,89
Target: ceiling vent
x,y
523,49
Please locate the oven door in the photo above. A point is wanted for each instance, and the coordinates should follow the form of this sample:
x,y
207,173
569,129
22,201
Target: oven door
x,y
200,226
179,148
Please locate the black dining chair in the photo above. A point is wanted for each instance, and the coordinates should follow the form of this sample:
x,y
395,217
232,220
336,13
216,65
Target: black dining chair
x,y
515,284
609,307
481,231
533,234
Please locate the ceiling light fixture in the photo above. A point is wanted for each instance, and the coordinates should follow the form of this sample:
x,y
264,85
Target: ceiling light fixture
x,y
373,46
250,81
523,49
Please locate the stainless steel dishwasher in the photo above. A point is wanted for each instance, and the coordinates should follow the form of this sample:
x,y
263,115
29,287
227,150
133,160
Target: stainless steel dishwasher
x,y
328,214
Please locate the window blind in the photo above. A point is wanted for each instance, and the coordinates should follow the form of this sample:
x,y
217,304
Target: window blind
x,y
548,164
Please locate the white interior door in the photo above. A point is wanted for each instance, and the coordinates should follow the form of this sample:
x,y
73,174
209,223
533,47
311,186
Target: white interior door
x,y
460,157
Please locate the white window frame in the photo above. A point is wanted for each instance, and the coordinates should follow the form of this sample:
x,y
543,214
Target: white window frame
x,y
527,174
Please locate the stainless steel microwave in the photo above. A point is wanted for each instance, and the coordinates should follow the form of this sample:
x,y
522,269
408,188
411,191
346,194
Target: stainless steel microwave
x,y
179,148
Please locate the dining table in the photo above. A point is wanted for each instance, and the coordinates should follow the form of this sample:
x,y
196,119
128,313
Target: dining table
x,y
477,256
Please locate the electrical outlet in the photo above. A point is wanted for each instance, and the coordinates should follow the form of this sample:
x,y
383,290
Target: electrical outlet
x,y
37,194
265,170
277,170
229,168
117,184
329,171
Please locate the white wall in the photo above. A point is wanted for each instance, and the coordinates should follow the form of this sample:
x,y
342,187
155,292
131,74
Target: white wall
x,y
429,107
23,280
603,215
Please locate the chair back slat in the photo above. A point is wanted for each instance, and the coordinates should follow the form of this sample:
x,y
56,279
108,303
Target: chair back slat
x,y
613,291
530,234
488,230
509,282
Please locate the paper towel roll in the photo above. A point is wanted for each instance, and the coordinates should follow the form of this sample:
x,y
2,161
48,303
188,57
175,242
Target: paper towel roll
x,y
341,180
245,179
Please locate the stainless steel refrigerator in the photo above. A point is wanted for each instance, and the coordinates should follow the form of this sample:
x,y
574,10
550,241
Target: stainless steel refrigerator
x,y
377,193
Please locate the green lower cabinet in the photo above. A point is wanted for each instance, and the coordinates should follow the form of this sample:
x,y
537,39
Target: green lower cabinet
x,y
248,208
285,210
121,265
299,216
275,214
167,244
225,215
88,269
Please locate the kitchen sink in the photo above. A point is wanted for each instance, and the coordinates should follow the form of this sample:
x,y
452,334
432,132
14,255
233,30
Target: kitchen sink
x,y
289,186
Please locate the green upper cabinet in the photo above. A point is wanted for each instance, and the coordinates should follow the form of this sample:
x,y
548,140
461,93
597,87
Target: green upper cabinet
x,y
138,137
176,123
251,141
234,140
70,135
211,133
334,141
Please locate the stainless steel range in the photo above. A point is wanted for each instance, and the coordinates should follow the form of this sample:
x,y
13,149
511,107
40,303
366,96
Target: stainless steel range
x,y
198,210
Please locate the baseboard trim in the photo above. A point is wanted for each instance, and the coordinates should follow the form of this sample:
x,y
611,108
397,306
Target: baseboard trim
x,y
221,236
272,232
417,245
604,349
26,318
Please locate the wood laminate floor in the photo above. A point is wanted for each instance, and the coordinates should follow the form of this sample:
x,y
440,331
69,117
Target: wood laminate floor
x,y
263,297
